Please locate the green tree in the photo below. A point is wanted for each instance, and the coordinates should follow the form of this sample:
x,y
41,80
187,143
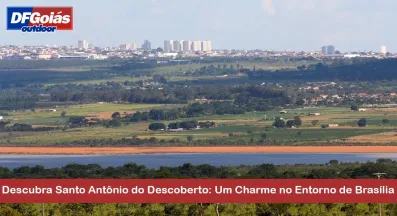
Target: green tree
x,y
290,123
113,123
116,115
298,121
157,126
63,114
354,107
189,138
279,123
362,122
315,122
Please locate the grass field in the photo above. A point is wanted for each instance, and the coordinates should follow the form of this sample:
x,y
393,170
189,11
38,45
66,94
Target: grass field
x,y
104,111
229,127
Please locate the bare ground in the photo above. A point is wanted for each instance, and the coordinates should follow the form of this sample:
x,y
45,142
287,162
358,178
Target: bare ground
x,y
154,150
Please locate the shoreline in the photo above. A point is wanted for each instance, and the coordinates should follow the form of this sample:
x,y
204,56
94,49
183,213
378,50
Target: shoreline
x,y
182,150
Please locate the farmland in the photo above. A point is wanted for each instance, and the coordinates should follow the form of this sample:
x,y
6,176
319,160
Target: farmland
x,y
246,128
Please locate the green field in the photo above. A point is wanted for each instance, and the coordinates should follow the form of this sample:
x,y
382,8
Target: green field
x,y
231,128
44,117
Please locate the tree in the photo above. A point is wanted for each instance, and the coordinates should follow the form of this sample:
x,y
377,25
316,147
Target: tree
x,y
279,123
299,133
385,121
263,135
113,123
333,162
362,122
116,115
354,107
290,123
157,126
324,126
298,121
3,124
189,138
63,114
315,122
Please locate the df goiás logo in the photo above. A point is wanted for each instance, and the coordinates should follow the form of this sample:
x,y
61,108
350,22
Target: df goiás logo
x,y
39,19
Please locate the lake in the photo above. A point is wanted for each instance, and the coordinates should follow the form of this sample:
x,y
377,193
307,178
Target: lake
x,y
157,160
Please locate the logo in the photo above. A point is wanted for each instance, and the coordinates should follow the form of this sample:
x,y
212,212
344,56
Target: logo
x,y
39,19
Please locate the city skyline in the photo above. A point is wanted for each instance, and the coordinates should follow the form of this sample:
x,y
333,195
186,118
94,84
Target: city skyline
x,y
259,24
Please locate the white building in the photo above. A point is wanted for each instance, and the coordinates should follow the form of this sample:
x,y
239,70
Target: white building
x,y
196,46
168,46
1,117
383,50
176,46
187,45
44,56
82,44
126,46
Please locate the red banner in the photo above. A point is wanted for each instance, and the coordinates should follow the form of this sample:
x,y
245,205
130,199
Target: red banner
x,y
197,191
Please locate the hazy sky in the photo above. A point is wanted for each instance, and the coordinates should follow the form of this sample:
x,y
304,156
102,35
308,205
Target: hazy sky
x,y
350,25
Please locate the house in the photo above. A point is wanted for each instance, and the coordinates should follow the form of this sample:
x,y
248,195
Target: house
x,y
283,112
176,130
52,110
333,125
1,117
362,110
314,114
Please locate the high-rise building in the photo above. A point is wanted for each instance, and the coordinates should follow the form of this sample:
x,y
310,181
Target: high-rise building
x,y
82,44
324,50
187,45
383,50
126,46
168,46
134,46
209,46
330,50
176,46
204,46
147,45
196,46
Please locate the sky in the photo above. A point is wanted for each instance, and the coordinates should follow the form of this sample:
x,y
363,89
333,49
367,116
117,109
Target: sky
x,y
299,25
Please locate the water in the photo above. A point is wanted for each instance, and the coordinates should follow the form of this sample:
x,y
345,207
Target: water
x,y
157,160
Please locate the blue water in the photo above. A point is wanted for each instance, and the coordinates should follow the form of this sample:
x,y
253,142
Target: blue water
x,y
157,160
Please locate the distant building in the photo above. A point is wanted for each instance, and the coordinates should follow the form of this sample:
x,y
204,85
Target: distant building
x,y
134,46
333,125
362,110
196,46
82,44
383,50
283,112
314,114
44,56
147,45
176,130
187,45
1,117
209,46
168,46
330,50
204,46
176,46
126,46
324,50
